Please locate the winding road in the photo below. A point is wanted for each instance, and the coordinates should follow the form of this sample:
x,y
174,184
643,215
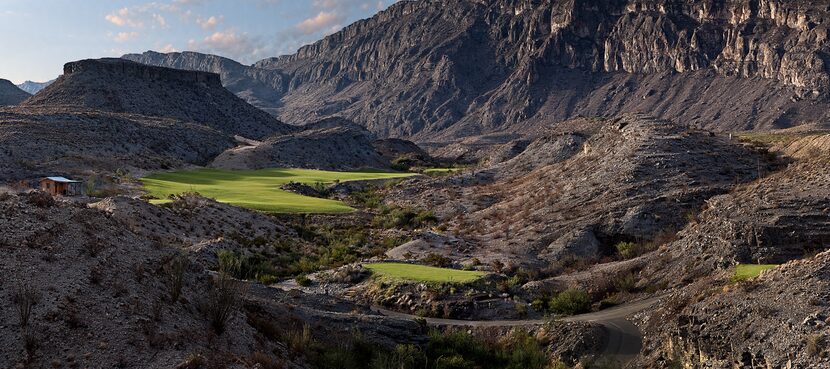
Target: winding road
x,y
624,338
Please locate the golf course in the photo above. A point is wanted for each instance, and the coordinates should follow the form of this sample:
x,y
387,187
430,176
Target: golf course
x,y
257,189
421,273
744,272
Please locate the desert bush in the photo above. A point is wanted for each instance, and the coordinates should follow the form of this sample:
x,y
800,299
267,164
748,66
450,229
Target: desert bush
x,y
299,340
303,280
570,302
25,298
402,357
174,272
815,345
625,282
247,267
41,199
193,361
322,189
222,301
368,198
404,218
262,360
437,260
627,250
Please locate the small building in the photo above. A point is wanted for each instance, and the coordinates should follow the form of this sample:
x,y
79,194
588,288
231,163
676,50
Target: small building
x,y
60,186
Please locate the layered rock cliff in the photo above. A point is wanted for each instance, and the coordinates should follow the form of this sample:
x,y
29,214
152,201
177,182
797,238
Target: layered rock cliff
x,y
121,86
445,69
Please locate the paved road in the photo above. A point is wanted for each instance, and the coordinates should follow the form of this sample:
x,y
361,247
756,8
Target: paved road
x,y
624,338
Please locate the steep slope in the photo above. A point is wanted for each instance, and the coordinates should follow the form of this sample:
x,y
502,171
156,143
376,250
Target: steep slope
x,y
330,144
256,86
101,279
34,87
576,194
10,94
778,320
437,70
783,217
42,141
122,86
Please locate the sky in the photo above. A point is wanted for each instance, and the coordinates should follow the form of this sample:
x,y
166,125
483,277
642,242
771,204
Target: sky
x,y
38,36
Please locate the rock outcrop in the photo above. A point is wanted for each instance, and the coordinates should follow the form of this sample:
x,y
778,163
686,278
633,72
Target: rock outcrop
x,y
330,144
442,69
10,94
44,141
122,86
633,178
778,320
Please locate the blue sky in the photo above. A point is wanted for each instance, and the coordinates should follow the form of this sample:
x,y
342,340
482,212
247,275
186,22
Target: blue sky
x,y
38,36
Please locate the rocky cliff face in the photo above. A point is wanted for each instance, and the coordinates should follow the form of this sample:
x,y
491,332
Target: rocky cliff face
x,y
122,86
10,94
442,69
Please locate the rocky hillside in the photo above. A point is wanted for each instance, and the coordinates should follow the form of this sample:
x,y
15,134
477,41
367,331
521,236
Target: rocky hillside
x,y
416,71
10,94
577,193
44,141
122,86
778,320
256,86
783,217
34,87
330,144
123,283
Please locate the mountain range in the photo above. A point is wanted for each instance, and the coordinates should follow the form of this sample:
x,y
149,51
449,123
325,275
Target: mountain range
x,y
34,87
439,70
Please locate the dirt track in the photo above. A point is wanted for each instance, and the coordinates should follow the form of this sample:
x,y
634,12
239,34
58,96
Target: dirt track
x,y
624,338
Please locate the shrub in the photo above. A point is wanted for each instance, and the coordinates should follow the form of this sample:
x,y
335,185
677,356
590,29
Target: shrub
x,y
223,299
404,218
539,304
437,260
303,280
815,345
174,271
25,298
299,340
570,302
627,250
368,198
402,357
247,267
262,360
625,283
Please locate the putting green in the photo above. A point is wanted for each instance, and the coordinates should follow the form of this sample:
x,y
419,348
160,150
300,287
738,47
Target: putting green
x,y
421,273
745,272
257,189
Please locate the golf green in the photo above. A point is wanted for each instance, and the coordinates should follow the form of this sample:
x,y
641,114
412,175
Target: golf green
x,y
422,273
257,189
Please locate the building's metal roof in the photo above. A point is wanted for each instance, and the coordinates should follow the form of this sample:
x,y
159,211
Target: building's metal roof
x,y
62,180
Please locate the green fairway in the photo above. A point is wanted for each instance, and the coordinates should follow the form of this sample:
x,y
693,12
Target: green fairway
x,y
745,272
257,189
442,170
421,273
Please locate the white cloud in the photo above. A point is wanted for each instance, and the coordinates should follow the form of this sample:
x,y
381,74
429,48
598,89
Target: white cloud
x,y
320,22
160,20
168,49
210,23
125,36
232,44
125,17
